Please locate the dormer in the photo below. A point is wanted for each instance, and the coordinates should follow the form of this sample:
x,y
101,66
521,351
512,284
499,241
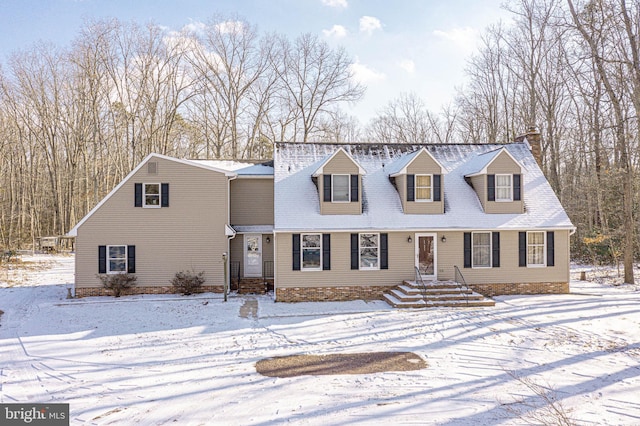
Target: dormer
x,y
418,179
497,180
339,182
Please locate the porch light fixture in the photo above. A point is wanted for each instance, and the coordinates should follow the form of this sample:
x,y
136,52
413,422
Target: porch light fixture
x,y
443,239
409,240
268,240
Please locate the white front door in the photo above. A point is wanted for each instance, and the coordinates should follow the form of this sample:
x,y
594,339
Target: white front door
x,y
426,258
252,255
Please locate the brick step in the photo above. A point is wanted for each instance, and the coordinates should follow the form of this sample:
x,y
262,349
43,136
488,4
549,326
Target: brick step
x,y
252,286
419,303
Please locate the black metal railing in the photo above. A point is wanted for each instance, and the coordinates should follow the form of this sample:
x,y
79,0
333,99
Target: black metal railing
x,y
267,269
423,285
234,269
461,283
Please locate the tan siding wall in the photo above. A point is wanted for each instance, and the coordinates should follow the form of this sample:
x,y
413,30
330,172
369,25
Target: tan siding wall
x,y
479,184
401,263
423,164
237,250
401,184
340,208
503,164
252,201
187,235
341,164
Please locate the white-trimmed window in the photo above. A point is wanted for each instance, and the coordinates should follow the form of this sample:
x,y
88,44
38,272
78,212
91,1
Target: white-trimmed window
x,y
423,188
311,252
504,188
116,259
151,195
340,188
536,248
369,251
481,249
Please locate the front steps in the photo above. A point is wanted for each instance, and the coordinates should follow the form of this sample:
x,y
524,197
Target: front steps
x,y
434,294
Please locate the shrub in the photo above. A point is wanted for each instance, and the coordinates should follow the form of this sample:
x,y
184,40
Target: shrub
x,y
118,282
188,282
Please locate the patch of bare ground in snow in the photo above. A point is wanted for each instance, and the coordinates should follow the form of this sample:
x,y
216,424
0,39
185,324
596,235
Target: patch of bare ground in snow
x,y
333,364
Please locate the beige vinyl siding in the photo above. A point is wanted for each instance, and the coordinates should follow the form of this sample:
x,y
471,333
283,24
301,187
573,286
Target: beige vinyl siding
x,y
423,164
402,262
401,186
452,253
187,235
340,164
252,201
504,164
479,184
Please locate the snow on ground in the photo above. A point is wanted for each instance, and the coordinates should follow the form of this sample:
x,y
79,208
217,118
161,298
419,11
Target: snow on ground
x,y
168,359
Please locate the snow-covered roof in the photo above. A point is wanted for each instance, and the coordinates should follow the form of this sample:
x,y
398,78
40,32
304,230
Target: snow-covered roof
x,y
481,161
239,167
399,166
297,201
320,170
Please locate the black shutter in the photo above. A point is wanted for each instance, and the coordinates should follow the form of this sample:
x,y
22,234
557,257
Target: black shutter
x,y
102,259
131,259
326,185
437,191
495,248
354,187
384,251
467,249
491,187
551,251
326,252
138,196
354,251
517,191
164,195
522,249
411,187
296,252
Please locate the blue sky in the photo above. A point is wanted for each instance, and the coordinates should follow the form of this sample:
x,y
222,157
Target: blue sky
x,y
399,46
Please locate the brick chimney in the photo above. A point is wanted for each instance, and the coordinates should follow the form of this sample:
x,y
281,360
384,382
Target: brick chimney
x,y
533,138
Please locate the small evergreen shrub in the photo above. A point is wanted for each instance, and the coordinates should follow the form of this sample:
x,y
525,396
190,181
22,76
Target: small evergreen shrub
x,y
188,282
118,282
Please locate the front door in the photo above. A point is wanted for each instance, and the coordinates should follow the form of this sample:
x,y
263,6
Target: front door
x,y
426,255
252,255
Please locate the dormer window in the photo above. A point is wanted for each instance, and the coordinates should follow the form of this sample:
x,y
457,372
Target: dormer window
x,y
504,190
423,188
340,188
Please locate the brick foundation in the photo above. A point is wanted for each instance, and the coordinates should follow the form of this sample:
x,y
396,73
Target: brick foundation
x,y
254,285
100,291
330,294
520,288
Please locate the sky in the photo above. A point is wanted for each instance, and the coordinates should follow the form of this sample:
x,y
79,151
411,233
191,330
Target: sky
x,y
400,46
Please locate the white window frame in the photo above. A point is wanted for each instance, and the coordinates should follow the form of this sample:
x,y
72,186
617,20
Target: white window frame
x,y
508,187
360,247
303,248
109,259
473,250
416,187
538,245
333,189
144,196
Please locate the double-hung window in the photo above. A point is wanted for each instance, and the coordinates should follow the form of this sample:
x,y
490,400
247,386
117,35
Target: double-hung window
x,y
536,248
340,188
117,259
311,252
151,195
369,251
481,249
504,191
423,188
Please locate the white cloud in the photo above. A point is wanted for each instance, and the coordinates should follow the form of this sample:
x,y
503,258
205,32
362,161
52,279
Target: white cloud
x,y
464,38
335,3
337,31
195,27
408,65
364,74
229,27
368,24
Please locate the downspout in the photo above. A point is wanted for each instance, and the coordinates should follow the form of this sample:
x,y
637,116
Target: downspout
x,y
231,234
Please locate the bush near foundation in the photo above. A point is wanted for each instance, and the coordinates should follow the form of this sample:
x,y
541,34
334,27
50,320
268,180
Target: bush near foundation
x,y
117,283
188,282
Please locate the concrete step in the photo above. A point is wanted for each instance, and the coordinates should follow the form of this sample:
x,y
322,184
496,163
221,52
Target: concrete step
x,y
401,295
410,294
418,303
433,290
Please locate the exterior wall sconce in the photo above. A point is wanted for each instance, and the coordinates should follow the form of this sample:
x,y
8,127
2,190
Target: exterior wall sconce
x,y
268,240
409,240
443,239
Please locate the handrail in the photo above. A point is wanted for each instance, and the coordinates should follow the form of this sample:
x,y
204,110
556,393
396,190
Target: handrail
x,y
423,288
464,286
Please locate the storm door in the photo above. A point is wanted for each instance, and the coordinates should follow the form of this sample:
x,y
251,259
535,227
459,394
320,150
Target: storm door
x,y
426,255
252,255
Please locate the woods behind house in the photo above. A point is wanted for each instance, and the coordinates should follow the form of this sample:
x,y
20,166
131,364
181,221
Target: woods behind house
x,y
74,120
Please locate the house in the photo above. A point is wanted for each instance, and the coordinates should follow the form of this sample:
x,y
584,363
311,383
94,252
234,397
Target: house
x,y
335,222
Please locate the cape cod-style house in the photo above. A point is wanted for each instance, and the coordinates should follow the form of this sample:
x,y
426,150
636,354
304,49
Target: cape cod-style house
x,y
334,222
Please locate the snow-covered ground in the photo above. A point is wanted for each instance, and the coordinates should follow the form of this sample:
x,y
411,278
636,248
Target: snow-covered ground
x,y
153,360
